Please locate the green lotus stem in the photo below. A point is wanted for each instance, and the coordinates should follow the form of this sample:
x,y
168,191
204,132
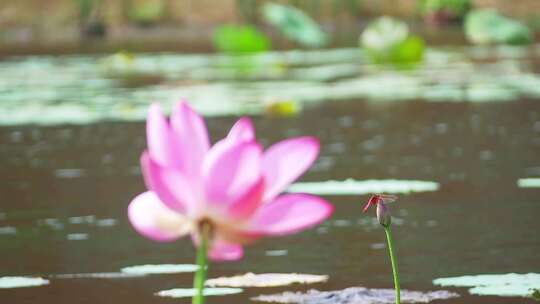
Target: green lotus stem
x,y
202,262
393,259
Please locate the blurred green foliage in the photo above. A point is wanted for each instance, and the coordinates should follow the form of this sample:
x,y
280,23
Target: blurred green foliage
x,y
410,51
240,39
487,26
294,24
91,18
536,294
387,41
533,22
85,8
248,9
457,8
351,6
147,13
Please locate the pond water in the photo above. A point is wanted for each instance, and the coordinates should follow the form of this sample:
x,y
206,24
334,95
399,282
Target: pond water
x,y
68,177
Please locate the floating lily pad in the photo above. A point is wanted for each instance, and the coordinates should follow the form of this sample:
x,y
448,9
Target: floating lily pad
x,y
98,275
275,253
17,282
52,223
86,219
510,284
69,173
160,269
8,230
52,90
355,295
266,280
354,187
190,292
121,63
106,222
529,182
77,236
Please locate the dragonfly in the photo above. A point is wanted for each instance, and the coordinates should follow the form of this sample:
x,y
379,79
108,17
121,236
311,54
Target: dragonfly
x,y
376,198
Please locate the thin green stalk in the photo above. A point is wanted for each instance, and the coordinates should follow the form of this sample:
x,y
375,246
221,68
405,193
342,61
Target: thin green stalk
x,y
202,262
393,259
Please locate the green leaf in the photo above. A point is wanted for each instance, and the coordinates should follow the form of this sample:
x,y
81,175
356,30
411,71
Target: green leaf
x,y
294,24
237,39
487,26
409,51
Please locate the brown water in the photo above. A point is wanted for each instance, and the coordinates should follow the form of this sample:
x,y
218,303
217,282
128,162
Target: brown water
x,y
478,222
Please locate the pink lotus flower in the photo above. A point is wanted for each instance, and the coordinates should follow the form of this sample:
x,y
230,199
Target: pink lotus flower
x,y
234,186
